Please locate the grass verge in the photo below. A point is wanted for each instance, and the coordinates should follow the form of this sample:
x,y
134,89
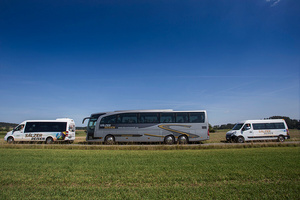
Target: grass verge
x,y
257,173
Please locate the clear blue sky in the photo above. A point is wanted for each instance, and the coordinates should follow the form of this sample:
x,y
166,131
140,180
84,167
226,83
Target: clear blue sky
x,y
236,59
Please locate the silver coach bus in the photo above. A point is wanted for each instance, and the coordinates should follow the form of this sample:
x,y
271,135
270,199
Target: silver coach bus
x,y
166,126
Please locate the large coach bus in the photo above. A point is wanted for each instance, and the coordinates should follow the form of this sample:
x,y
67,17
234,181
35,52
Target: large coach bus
x,y
166,126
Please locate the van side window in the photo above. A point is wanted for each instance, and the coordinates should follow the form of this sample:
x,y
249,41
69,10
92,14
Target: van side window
x,y
260,126
247,127
270,126
264,126
279,125
45,127
19,128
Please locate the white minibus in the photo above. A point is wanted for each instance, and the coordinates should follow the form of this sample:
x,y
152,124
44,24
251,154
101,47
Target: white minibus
x,y
270,129
48,131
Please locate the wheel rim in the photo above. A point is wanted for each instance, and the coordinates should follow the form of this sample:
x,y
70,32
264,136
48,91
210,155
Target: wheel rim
x,y
169,140
10,140
281,139
182,140
49,140
110,139
240,140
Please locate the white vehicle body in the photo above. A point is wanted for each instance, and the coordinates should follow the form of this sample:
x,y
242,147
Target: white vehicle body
x,y
270,129
61,129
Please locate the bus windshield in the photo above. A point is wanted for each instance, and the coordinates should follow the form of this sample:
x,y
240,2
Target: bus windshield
x,y
237,127
92,123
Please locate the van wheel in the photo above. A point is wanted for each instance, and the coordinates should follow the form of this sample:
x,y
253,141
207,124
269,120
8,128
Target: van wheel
x,y
183,139
240,140
109,139
10,140
169,140
280,138
49,140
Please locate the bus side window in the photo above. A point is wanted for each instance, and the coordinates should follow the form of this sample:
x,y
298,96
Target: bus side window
x,y
167,118
197,118
128,118
182,118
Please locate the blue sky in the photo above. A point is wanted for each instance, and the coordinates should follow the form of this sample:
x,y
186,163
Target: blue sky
x,y
236,59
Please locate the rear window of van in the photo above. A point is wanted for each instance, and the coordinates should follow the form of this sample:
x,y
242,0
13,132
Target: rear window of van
x,y
264,126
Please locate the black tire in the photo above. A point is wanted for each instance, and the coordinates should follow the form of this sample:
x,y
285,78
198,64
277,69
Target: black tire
x,y
240,139
10,140
109,139
169,140
280,138
183,139
49,140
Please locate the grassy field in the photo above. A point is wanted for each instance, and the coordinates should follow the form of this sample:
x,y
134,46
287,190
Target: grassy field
x,y
263,173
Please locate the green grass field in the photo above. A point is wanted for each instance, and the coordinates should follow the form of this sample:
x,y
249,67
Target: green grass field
x,y
256,173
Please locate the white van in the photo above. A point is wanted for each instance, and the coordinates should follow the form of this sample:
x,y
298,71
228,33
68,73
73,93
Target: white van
x,y
270,129
48,131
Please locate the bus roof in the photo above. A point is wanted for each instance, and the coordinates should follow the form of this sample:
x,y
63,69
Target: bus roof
x,y
159,110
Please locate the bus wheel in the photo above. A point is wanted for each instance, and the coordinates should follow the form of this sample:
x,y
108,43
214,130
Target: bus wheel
x,y
169,140
109,139
240,140
280,138
49,140
183,139
10,140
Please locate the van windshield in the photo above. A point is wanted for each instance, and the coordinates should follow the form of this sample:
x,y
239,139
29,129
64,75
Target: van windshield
x,y
237,127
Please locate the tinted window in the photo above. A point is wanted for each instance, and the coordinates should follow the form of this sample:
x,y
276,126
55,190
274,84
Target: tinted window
x,y
92,123
127,118
269,126
182,118
279,125
259,126
112,119
237,127
263,126
197,117
167,117
46,126
148,118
